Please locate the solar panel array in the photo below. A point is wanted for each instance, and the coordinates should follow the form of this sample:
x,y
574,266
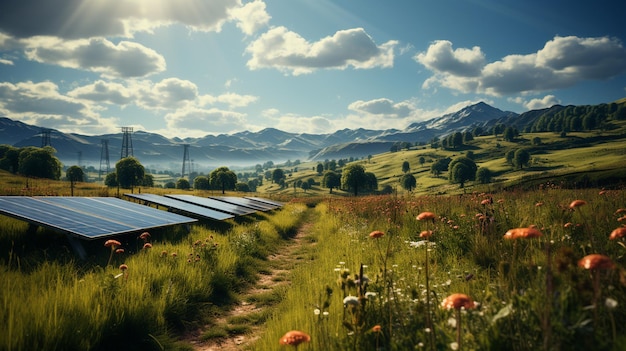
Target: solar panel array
x,y
233,209
88,217
242,201
177,205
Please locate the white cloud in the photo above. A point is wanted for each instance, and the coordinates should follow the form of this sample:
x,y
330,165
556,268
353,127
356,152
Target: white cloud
x,y
6,62
104,92
545,102
232,100
74,19
197,122
383,106
126,59
288,52
294,123
561,63
460,62
42,104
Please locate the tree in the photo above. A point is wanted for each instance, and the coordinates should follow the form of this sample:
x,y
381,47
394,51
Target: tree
x,y
406,166
129,172
74,174
408,182
320,168
243,187
353,178
331,180
509,134
223,178
456,140
371,182
201,183
111,179
9,158
278,175
462,169
421,160
39,162
441,165
483,175
305,186
521,158
509,156
183,184
148,180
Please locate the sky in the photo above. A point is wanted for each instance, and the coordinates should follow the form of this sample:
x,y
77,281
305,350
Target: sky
x,y
190,68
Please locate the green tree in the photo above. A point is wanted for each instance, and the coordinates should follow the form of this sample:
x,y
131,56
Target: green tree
x,y
462,169
223,178
421,160
39,162
320,168
456,140
201,183
242,187
278,175
483,175
9,158
74,174
305,186
129,172
148,180
406,166
408,182
331,180
439,166
182,184
353,178
509,156
371,182
111,180
521,158
509,134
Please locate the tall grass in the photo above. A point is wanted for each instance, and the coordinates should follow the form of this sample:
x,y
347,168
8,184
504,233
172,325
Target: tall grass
x,y
165,288
530,293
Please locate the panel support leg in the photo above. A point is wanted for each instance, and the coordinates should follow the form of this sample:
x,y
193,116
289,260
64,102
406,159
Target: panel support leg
x,y
77,246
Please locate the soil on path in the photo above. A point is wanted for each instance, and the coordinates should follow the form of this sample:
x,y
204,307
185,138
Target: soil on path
x,y
277,275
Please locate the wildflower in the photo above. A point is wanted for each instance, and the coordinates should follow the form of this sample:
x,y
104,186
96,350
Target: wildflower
x,y
457,301
350,301
596,261
147,246
618,233
525,233
426,234
163,253
376,234
577,203
317,311
294,338
174,254
610,303
145,236
454,345
119,251
486,202
539,204
426,216
123,267
567,225
377,328
112,244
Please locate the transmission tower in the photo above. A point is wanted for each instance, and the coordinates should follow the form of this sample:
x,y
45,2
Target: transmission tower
x,y
186,162
127,142
45,137
104,158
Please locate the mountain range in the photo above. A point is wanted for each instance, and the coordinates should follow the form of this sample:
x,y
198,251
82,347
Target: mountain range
x,y
249,148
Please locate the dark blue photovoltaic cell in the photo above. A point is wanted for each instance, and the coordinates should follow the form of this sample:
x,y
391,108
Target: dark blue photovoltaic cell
x,y
87,217
214,204
173,204
243,202
276,204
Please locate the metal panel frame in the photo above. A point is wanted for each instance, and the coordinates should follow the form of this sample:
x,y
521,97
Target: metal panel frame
x,y
186,207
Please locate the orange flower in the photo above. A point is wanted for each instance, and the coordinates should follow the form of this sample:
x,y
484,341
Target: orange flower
x,y
295,338
457,301
596,261
426,234
377,328
539,204
486,202
119,251
577,203
376,234
525,233
123,267
144,236
112,243
618,233
426,216
147,246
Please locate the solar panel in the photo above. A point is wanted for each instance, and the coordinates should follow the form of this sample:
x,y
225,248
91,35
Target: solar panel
x,y
276,204
88,217
188,208
243,202
214,204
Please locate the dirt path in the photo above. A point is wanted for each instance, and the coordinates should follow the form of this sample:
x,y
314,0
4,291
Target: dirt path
x,y
278,275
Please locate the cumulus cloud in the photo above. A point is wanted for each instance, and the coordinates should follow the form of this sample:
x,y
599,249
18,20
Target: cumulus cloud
x,y
562,62
198,122
42,104
383,107
545,102
74,19
294,123
104,92
125,59
287,51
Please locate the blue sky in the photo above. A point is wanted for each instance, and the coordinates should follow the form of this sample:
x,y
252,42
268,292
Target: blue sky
x,y
189,68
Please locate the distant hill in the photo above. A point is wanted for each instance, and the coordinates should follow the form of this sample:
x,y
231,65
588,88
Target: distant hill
x,y
248,148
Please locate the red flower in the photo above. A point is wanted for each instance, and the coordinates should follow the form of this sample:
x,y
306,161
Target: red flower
x,y
457,301
426,234
525,233
123,267
426,216
376,234
112,243
577,203
119,251
596,261
295,338
144,236
618,233
147,246
377,328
